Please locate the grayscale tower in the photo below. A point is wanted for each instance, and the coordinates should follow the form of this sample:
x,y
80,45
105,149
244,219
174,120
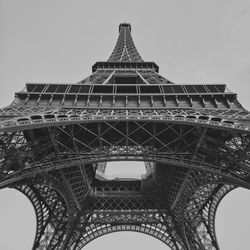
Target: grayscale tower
x,y
56,140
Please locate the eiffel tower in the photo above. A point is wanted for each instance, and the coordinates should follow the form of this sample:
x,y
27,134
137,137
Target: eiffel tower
x,y
56,140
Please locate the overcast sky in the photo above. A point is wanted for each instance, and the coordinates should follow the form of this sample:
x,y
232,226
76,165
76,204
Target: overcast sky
x,y
194,41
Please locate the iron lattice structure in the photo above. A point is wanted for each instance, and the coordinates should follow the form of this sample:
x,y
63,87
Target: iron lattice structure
x,y
56,140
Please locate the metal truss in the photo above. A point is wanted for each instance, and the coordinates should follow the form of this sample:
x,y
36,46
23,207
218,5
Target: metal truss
x,y
56,138
217,120
125,49
188,182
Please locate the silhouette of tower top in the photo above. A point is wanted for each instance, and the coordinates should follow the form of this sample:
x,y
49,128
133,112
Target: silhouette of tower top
x,y
125,25
125,50
125,55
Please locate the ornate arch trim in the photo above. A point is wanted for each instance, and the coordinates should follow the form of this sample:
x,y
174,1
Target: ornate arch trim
x,y
145,229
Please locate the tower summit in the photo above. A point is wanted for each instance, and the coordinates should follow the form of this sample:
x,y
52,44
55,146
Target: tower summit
x,y
125,50
56,139
125,54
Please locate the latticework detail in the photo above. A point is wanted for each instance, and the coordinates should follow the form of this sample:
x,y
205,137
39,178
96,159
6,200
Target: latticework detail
x,y
125,50
56,139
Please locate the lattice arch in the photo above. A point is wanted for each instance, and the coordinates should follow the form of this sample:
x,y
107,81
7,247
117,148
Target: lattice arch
x,y
148,230
54,210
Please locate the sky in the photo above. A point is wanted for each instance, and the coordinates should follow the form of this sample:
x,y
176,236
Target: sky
x,y
57,41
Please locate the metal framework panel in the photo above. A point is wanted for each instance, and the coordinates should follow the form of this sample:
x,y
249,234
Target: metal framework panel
x,y
56,138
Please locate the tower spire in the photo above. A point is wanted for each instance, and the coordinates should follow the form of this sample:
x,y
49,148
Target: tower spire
x,y
125,50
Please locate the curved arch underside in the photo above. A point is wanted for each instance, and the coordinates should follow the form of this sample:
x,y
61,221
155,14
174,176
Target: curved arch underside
x,y
195,166
63,234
